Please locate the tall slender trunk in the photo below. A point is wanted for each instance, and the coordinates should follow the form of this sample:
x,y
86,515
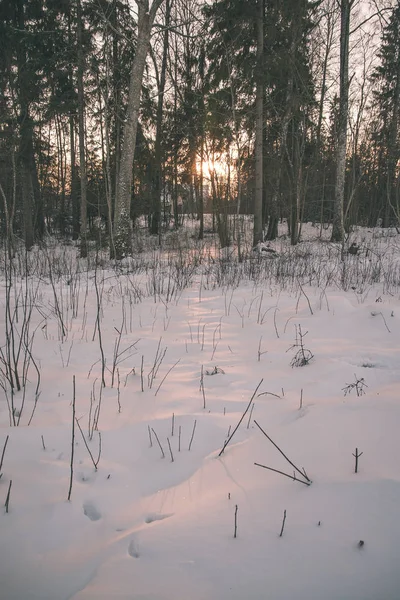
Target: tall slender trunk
x,y
26,183
258,198
9,231
73,180
392,198
25,133
297,185
106,152
81,131
73,174
175,129
122,220
201,186
295,157
117,106
272,231
238,152
61,175
200,213
156,218
38,212
338,212
328,47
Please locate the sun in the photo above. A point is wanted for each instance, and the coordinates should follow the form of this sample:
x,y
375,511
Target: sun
x,y
219,168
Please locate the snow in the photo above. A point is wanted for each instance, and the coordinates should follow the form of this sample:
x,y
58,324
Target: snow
x,y
143,527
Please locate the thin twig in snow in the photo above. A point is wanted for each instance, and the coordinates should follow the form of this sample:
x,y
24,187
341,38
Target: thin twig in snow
x,y
283,454
241,419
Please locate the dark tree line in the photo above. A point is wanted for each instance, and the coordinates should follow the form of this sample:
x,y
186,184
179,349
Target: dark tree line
x,y
108,114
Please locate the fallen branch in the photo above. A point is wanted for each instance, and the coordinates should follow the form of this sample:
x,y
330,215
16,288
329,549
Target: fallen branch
x,y
95,463
292,477
241,419
159,443
283,454
166,375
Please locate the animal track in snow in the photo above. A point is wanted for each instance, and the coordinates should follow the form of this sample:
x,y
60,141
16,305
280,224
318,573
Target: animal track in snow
x,y
91,511
156,517
84,477
132,549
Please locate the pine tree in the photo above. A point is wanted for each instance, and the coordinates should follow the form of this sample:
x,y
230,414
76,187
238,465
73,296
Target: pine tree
x,y
21,47
387,98
287,89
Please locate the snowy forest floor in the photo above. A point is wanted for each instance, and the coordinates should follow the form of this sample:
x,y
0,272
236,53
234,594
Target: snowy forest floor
x,y
191,339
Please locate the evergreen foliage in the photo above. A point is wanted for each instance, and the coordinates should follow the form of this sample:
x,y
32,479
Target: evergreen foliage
x,y
195,143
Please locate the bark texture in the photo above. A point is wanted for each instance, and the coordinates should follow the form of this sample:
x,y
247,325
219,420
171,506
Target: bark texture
x,y
81,122
122,219
338,208
258,199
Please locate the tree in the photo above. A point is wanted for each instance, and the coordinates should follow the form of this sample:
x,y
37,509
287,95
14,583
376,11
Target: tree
x,y
235,93
258,201
387,96
81,122
291,100
338,210
122,222
156,216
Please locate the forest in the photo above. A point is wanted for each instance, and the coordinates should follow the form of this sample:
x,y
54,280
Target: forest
x,y
117,114
200,299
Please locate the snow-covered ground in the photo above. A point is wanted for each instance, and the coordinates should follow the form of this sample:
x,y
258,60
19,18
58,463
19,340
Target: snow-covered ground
x,y
146,527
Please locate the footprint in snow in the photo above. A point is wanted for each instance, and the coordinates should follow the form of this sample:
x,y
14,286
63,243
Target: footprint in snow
x,y
84,477
90,511
302,412
133,550
156,517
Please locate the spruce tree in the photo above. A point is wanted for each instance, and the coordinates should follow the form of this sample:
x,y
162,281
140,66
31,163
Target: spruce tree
x,y
387,100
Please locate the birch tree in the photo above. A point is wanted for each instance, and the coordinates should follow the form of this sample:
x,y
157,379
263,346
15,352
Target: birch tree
x,y
122,220
338,212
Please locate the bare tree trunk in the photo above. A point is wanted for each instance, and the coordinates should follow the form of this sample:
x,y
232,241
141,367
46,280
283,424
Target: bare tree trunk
x,y
73,178
158,151
176,135
330,22
392,196
200,211
38,213
122,220
272,231
338,216
201,180
258,199
73,181
26,182
25,134
298,183
81,122
9,229
239,156
107,154
116,75
61,167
